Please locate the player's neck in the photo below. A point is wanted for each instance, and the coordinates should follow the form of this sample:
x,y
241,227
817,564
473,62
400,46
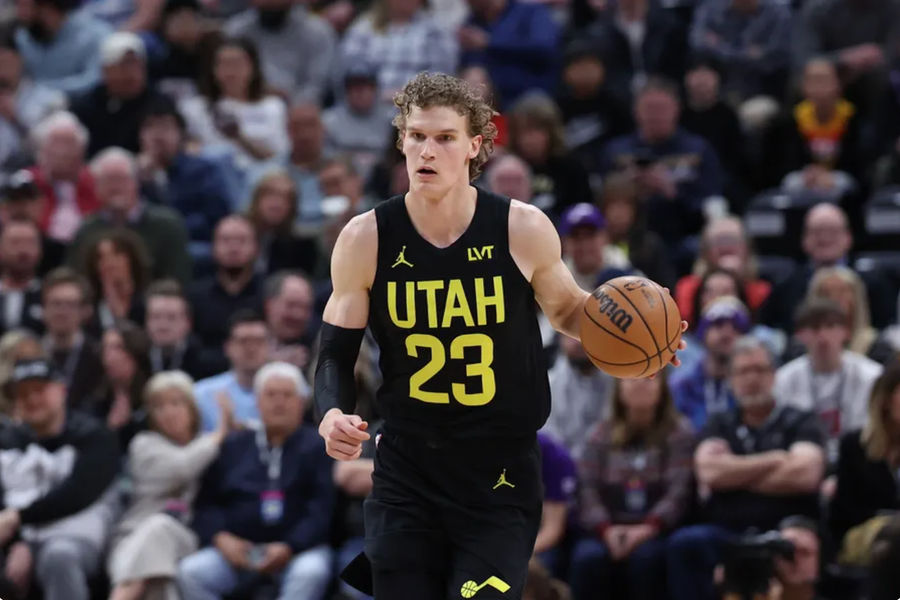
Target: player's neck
x,y
441,222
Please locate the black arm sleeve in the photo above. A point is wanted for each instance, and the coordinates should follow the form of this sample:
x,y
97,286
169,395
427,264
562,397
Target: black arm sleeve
x,y
335,384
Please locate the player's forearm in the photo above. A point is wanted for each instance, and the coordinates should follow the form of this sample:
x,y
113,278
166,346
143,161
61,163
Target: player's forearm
x,y
335,384
568,319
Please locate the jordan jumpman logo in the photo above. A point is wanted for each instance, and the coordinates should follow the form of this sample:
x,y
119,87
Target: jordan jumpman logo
x,y
401,259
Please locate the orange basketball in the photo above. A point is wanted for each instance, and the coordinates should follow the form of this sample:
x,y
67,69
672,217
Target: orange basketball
x,y
630,327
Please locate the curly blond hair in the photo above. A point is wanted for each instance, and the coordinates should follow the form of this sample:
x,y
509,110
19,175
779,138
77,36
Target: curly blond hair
x,y
427,90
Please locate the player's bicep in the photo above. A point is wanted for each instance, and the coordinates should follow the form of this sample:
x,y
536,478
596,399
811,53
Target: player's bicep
x,y
353,264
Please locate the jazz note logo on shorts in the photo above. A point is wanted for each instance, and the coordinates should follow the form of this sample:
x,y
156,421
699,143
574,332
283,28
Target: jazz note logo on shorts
x,y
470,588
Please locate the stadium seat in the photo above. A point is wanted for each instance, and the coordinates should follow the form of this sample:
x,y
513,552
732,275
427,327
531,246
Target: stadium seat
x,y
774,221
881,220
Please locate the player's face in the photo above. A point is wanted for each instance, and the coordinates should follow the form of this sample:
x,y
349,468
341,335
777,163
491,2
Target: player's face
x,y
438,149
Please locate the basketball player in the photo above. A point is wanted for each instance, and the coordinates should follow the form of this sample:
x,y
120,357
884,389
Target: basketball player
x,y
447,277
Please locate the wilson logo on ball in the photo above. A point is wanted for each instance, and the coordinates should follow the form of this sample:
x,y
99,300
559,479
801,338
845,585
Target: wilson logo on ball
x,y
609,307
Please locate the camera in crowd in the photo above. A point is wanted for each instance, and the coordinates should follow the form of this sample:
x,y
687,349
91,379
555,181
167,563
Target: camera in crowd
x,y
749,563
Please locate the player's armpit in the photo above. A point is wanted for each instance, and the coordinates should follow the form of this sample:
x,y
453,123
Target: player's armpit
x,y
536,249
353,264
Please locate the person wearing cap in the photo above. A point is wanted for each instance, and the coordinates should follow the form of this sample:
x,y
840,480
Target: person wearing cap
x,y
829,380
703,390
113,108
754,466
297,47
582,230
57,468
23,104
265,504
60,45
358,124
752,40
21,200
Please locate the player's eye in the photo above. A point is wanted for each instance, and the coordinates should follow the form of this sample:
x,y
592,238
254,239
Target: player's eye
x,y
445,138
418,136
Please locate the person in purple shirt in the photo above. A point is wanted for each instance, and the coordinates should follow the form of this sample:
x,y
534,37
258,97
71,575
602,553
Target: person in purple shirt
x,y
560,483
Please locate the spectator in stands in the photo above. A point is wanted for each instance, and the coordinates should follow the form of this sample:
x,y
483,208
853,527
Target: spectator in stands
x,y
844,287
173,347
75,356
583,232
591,112
235,116
866,498
560,481
165,464
234,286
339,178
707,114
704,390
517,42
176,50
20,288
581,397
62,177
288,298
635,486
509,175
59,45
856,35
477,76
248,348
829,380
272,211
798,576
297,47
826,242
536,135
359,125
400,39
16,345
193,186
639,40
816,146
628,240
287,537
752,41
540,585
57,470
755,466
23,104
112,110
117,399
162,230
21,200
307,138
723,245
676,171
126,15
117,266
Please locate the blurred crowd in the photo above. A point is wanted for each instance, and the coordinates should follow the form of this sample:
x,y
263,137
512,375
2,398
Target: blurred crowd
x,y
174,176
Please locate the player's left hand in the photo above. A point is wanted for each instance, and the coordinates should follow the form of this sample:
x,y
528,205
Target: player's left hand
x,y
277,557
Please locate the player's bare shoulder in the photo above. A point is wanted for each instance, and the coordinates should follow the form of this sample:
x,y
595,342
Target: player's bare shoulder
x,y
533,240
355,256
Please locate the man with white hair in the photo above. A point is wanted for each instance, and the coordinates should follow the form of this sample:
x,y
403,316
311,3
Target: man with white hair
x,y
112,110
264,507
510,176
62,176
162,229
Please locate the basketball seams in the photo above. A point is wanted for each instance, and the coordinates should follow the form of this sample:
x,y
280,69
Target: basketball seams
x,y
646,362
643,320
666,317
613,334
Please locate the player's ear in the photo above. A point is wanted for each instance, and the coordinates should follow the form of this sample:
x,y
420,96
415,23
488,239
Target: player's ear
x,y
474,147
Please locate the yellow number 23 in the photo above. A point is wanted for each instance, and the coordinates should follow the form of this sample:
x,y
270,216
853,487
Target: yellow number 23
x,y
438,359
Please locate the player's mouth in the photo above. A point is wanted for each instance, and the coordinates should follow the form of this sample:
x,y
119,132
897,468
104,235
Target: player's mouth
x,y
426,172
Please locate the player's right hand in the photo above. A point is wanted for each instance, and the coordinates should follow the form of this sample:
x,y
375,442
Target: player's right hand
x,y
343,434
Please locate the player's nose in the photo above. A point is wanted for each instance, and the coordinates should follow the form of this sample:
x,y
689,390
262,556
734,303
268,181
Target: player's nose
x,y
427,149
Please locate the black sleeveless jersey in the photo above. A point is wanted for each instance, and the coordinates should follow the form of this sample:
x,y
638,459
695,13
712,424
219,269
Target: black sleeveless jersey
x,y
461,351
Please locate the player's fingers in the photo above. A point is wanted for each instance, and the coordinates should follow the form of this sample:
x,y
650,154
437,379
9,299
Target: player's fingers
x,y
682,345
676,362
355,420
344,447
341,455
363,426
684,325
346,428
